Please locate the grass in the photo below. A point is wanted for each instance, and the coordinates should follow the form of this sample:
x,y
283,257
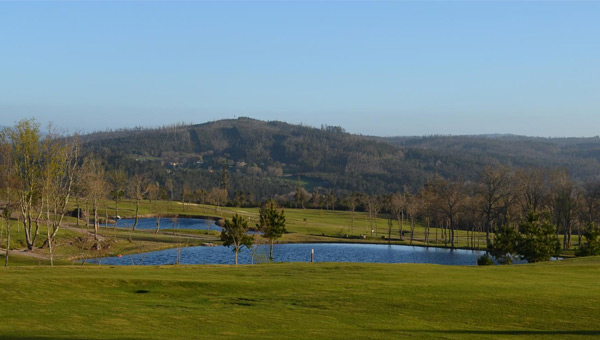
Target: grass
x,y
556,300
303,225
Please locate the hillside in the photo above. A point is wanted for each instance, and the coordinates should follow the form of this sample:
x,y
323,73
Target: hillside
x,y
267,158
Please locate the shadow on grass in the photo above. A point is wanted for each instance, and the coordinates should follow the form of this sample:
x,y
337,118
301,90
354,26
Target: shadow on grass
x,y
507,332
63,337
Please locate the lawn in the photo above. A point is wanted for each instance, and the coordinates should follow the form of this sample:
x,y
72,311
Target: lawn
x,y
556,300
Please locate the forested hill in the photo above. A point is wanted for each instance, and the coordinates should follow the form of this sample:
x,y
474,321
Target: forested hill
x,y
460,154
266,158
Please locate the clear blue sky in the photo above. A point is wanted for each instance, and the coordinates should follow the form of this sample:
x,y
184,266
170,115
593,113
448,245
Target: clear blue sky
x,y
383,68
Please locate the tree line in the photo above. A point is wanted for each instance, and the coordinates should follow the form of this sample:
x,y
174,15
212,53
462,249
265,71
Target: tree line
x,y
42,174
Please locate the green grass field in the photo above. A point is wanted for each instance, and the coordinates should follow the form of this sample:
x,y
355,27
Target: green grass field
x,y
556,300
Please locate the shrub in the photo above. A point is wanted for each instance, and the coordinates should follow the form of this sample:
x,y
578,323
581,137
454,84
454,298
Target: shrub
x,y
484,260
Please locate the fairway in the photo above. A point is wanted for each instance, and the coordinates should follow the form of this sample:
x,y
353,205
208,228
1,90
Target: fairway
x,y
556,300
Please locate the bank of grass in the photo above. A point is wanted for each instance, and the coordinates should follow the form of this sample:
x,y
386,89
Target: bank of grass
x,y
310,225
556,300
303,225
73,245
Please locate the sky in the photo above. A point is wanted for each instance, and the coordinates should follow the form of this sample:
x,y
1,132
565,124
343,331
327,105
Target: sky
x,y
375,68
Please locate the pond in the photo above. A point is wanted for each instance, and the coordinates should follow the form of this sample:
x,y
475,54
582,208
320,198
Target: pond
x,y
166,223
301,252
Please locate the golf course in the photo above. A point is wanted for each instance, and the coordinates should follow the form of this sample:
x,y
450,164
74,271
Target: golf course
x,y
553,300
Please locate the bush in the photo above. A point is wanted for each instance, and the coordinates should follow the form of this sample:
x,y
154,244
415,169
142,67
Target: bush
x,y
591,246
503,249
484,260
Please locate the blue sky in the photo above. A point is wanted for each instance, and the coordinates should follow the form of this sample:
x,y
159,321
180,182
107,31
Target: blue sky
x,y
380,68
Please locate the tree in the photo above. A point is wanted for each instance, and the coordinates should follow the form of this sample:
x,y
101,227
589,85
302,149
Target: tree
x,y
137,188
271,224
225,179
537,240
8,197
27,154
118,182
234,234
564,205
591,247
300,195
373,205
450,197
533,189
353,200
413,208
504,247
217,196
41,173
398,205
95,188
60,172
154,195
490,191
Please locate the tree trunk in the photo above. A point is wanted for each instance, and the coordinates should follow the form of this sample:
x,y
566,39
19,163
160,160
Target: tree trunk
x,y
452,233
236,255
401,226
412,229
96,225
137,209
78,211
50,245
271,251
7,241
27,228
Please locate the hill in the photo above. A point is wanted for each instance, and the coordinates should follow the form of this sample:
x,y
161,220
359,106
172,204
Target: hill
x,y
267,158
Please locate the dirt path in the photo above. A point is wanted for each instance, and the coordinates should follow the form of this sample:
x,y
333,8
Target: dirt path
x,y
27,253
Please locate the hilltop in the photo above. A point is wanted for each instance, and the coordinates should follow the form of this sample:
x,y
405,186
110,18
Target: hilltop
x,y
268,158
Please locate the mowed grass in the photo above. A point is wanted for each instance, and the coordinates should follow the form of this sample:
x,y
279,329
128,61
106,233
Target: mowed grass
x,y
558,300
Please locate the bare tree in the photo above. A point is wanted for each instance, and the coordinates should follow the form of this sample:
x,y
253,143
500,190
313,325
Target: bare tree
x,y
564,205
27,151
450,197
413,208
373,206
8,182
96,189
352,202
154,193
137,188
118,182
398,206
490,192
60,172
218,196
533,189
591,202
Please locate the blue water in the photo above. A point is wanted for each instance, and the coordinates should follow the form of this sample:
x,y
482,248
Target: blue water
x,y
300,252
167,223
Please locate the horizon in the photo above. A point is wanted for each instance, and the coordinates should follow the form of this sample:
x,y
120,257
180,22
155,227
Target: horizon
x,y
379,69
63,131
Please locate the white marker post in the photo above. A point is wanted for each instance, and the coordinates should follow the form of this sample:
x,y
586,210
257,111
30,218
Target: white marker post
x,y
312,255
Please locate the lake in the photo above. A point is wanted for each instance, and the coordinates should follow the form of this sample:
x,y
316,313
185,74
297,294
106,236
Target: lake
x,y
300,252
167,223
